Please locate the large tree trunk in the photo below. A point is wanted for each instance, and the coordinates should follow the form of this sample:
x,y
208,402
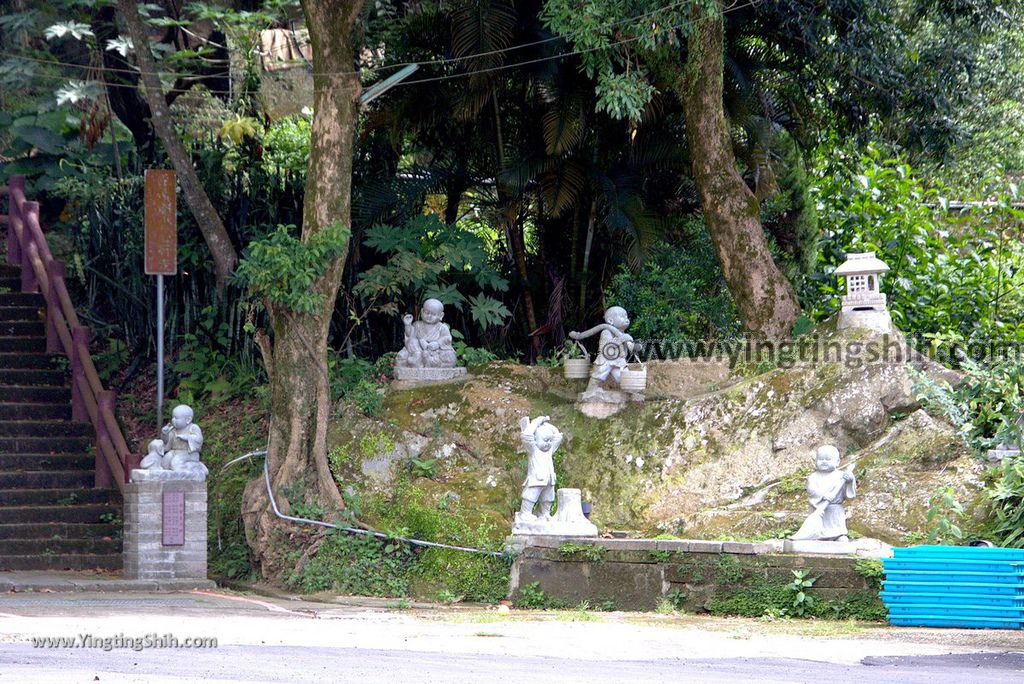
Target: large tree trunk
x,y
297,355
765,299
225,258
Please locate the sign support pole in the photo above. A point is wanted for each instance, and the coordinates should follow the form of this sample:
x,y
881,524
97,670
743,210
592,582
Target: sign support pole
x,y
159,352
161,258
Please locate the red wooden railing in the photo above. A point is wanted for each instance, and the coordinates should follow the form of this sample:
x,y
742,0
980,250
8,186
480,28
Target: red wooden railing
x,y
40,272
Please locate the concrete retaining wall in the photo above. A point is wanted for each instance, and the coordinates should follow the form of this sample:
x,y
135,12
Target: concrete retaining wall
x,y
637,574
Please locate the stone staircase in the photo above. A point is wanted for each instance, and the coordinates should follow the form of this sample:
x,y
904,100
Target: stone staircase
x,y
51,517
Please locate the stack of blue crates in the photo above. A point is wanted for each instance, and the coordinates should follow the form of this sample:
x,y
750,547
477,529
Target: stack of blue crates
x,y
955,586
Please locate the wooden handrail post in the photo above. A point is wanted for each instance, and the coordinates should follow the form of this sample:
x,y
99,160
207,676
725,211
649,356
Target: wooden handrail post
x,y
79,383
14,183
28,274
105,401
56,271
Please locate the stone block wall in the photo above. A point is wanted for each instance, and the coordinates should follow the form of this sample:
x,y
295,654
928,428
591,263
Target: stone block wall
x,y
145,555
698,576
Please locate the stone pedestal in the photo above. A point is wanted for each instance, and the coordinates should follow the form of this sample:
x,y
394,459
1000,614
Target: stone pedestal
x,y
568,521
165,529
879,321
426,375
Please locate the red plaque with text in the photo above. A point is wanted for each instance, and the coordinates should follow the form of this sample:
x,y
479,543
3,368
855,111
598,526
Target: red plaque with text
x,y
161,234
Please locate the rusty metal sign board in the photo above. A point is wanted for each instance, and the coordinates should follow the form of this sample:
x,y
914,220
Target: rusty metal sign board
x,y
161,223
173,518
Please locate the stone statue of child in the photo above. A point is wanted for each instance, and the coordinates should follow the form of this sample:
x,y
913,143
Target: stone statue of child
x,y
827,488
184,441
614,348
540,439
428,341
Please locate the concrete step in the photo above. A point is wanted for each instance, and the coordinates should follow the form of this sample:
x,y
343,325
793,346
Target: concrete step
x,y
107,561
22,343
30,360
32,376
33,299
19,313
21,328
80,513
58,546
44,445
9,270
11,283
35,411
41,394
55,497
79,461
45,428
46,479
62,530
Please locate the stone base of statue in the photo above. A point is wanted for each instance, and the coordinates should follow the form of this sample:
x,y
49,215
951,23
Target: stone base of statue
x,y
864,547
165,529
872,319
1002,453
195,472
407,374
568,520
604,403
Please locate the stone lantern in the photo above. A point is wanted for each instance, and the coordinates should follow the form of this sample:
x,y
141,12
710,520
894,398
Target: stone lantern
x,y
864,302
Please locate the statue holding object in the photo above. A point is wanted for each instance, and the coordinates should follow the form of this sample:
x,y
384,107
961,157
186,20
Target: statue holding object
x,y
827,488
614,347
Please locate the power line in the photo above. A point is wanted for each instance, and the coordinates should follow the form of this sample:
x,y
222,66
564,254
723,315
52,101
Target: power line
x,y
434,79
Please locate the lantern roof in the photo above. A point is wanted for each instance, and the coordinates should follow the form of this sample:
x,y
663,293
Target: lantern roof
x,y
862,263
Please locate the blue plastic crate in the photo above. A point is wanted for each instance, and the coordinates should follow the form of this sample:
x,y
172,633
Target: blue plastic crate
x,y
951,599
1007,579
978,588
942,621
954,565
898,610
971,552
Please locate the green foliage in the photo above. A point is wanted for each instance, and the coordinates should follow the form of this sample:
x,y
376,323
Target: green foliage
x,y
409,511
1006,496
872,570
357,381
588,552
428,259
532,597
659,556
984,407
944,512
954,276
802,603
470,356
286,147
356,564
677,599
283,270
686,273
728,571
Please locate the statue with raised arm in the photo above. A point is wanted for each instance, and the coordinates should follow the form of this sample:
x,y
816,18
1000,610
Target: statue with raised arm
x,y
428,353
428,341
175,456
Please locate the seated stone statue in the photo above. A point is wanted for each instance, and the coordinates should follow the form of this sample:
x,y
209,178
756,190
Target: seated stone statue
x,y
827,488
184,441
428,341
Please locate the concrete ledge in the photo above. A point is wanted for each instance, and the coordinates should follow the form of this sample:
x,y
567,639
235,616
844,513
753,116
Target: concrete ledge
x,y
72,581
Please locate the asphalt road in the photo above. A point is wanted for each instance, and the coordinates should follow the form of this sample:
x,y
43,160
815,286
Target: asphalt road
x,y
23,664
277,640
